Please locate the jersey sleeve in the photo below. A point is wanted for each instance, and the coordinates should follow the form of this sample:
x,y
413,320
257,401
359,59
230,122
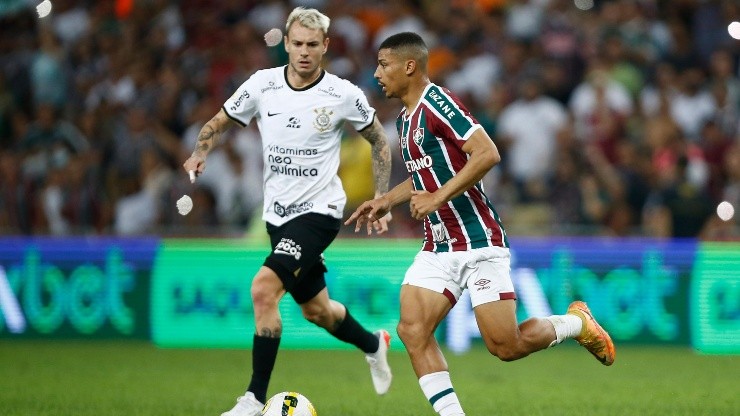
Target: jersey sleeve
x,y
359,112
242,106
448,117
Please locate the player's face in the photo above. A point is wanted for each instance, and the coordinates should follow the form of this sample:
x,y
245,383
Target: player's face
x,y
306,47
391,73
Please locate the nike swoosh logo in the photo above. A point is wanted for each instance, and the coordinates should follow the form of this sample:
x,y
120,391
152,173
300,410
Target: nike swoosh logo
x,y
269,114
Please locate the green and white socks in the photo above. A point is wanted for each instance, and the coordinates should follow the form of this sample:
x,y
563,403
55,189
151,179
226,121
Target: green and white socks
x,y
437,388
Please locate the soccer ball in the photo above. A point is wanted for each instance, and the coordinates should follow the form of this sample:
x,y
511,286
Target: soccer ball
x,y
288,403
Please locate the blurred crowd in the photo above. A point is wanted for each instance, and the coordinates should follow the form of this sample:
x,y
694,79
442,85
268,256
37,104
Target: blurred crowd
x,y
613,117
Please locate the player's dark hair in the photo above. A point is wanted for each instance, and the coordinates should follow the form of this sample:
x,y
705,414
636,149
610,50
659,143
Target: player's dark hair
x,y
408,44
403,39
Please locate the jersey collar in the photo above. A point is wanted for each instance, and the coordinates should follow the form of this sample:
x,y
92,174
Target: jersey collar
x,y
406,114
309,86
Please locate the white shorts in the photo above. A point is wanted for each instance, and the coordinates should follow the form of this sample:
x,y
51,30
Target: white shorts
x,y
485,272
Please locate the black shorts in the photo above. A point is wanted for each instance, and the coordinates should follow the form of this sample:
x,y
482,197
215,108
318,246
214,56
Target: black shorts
x,y
297,253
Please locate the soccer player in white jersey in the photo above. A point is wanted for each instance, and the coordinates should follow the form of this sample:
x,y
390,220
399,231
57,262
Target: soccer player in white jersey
x,y
447,153
300,110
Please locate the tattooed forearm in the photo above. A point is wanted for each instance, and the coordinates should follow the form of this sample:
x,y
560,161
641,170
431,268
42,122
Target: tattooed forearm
x,y
270,332
381,167
210,133
206,139
381,155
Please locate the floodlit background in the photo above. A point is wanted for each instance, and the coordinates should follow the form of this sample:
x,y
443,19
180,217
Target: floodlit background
x,y
619,127
614,118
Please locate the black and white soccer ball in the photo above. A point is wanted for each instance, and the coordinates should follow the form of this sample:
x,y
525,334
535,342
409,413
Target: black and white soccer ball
x,y
288,403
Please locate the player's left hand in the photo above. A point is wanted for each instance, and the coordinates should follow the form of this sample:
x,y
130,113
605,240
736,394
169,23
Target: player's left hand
x,y
422,204
375,214
381,225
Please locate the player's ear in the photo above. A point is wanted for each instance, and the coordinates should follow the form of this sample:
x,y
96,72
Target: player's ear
x,y
326,43
410,67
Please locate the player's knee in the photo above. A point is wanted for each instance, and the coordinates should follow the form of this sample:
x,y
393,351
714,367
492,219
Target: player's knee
x,y
411,332
505,348
264,298
505,352
316,315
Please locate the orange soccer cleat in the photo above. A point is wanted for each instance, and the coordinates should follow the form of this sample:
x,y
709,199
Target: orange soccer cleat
x,y
593,337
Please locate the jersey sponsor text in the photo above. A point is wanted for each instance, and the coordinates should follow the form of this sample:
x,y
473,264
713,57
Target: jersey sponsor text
x,y
361,108
418,164
330,91
292,151
244,95
294,170
289,247
271,86
292,209
443,104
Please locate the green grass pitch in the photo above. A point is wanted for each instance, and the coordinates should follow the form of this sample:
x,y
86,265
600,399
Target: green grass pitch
x,y
60,378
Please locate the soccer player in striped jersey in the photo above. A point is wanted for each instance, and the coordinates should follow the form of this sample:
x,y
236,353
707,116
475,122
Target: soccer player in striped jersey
x,y
446,153
301,110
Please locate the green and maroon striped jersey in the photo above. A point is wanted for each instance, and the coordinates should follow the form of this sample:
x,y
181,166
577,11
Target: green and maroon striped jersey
x,y
431,140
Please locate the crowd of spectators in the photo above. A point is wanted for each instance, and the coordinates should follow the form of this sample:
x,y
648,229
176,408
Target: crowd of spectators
x,y
622,119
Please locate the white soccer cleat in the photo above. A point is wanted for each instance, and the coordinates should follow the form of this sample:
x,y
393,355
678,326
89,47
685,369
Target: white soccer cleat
x,y
246,405
379,368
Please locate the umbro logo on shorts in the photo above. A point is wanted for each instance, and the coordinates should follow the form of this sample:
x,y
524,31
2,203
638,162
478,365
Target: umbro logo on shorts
x,y
481,283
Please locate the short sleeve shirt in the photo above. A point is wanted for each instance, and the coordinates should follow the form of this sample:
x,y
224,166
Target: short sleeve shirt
x,y
301,131
431,141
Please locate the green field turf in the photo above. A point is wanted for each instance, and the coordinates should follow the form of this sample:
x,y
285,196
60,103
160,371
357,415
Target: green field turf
x,y
59,378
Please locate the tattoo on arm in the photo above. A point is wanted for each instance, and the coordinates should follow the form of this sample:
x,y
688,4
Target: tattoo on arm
x,y
210,133
270,332
205,139
381,152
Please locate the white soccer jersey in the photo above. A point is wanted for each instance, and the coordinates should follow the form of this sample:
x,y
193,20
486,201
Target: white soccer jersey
x,y
301,131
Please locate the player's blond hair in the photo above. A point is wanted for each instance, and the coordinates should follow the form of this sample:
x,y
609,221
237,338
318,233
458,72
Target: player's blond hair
x,y
310,18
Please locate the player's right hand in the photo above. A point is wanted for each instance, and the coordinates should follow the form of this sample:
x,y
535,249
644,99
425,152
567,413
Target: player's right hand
x,y
195,163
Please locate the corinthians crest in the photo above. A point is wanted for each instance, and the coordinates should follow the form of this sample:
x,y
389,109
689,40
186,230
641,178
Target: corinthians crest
x,y
322,122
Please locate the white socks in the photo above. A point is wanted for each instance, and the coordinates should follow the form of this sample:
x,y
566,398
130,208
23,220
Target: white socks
x,y
566,326
437,388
